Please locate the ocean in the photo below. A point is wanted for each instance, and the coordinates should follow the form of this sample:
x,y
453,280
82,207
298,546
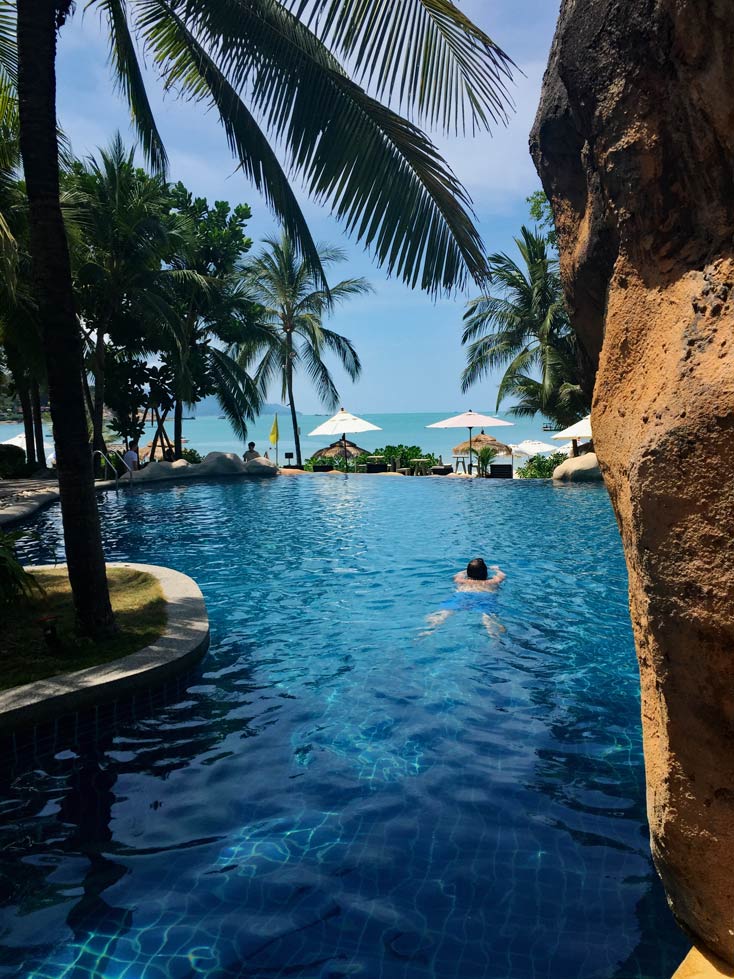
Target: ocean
x,y
208,433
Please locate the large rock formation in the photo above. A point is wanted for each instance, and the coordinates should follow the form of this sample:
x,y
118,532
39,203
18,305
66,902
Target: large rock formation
x,y
579,469
634,142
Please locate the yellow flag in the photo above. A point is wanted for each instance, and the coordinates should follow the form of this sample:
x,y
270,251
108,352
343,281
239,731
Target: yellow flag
x,y
274,432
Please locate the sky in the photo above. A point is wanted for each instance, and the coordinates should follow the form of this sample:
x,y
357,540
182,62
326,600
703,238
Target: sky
x,y
409,344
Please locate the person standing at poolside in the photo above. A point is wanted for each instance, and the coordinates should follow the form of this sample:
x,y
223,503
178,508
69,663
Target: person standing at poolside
x,y
251,453
475,592
131,458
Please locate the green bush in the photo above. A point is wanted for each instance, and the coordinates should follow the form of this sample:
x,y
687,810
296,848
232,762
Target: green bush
x,y
12,462
399,454
15,583
484,459
540,467
191,455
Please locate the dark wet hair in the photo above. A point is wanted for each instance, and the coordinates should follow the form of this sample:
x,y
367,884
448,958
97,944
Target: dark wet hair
x,y
477,570
250,444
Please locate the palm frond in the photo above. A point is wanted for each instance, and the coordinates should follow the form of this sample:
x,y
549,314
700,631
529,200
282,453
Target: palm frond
x,y
382,176
129,79
186,65
423,53
237,392
320,376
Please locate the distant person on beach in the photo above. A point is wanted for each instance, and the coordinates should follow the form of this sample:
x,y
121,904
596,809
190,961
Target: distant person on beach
x,y
130,458
251,453
475,592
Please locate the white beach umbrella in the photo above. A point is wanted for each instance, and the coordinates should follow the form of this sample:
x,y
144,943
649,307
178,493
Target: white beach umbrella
x,y
343,423
19,440
579,430
48,447
532,447
469,419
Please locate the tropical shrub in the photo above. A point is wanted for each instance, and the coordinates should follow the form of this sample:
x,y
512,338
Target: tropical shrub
x,y
12,462
540,467
400,455
522,325
484,458
15,582
191,455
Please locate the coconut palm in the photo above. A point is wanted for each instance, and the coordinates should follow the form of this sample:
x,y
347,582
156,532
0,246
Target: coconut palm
x,y
523,326
382,176
120,285
291,333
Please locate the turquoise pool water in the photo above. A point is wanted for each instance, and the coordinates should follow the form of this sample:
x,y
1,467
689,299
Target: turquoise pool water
x,y
332,794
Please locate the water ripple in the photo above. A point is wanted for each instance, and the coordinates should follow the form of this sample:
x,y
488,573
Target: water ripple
x,y
331,793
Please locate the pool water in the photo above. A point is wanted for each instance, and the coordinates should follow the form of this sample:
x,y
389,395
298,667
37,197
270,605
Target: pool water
x,y
333,793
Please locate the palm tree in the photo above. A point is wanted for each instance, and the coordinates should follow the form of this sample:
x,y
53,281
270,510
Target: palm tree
x,y
291,332
382,176
120,285
213,311
524,328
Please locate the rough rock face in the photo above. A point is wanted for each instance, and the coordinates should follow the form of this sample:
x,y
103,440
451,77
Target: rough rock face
x,y
582,469
634,142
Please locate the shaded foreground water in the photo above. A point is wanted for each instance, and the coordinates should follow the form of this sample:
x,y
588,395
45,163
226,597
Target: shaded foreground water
x,y
332,794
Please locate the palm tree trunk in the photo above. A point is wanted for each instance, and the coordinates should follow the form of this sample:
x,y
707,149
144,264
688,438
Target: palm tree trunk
x,y
38,423
178,428
37,26
25,407
98,441
291,402
87,393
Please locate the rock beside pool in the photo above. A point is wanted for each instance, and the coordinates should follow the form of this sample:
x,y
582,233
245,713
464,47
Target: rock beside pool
x,y
163,470
634,144
583,469
221,464
260,467
213,464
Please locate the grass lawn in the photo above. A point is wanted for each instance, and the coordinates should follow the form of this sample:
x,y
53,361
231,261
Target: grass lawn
x,y
139,607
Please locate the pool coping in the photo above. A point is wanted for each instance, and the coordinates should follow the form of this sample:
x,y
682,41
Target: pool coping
x,y
183,643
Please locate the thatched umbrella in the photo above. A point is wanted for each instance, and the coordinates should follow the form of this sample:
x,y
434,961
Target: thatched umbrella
x,y
482,441
340,448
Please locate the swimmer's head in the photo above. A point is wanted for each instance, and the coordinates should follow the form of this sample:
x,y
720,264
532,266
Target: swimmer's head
x,y
477,570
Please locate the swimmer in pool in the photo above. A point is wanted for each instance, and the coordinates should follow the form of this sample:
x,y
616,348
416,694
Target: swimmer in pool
x,y
474,593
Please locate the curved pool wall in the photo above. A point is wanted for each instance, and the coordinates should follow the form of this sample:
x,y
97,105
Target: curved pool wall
x,y
331,794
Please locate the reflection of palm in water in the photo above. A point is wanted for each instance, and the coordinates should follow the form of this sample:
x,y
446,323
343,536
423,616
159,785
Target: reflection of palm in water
x,y
96,925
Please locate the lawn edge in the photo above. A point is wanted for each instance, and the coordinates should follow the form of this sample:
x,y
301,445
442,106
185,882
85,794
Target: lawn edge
x,y
183,643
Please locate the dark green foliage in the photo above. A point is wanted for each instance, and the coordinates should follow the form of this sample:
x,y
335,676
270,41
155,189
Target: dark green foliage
x,y
126,393
12,462
191,455
540,467
484,459
522,325
542,213
401,455
15,583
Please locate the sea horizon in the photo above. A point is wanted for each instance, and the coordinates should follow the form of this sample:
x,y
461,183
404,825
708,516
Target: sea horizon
x,y
212,433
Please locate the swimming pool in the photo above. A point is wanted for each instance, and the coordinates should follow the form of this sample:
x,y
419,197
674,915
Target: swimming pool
x,y
331,793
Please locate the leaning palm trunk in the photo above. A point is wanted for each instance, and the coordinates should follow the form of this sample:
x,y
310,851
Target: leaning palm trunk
x,y
98,441
37,25
25,407
38,424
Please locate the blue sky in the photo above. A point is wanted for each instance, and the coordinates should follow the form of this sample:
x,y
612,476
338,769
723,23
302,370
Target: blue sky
x,y
409,344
